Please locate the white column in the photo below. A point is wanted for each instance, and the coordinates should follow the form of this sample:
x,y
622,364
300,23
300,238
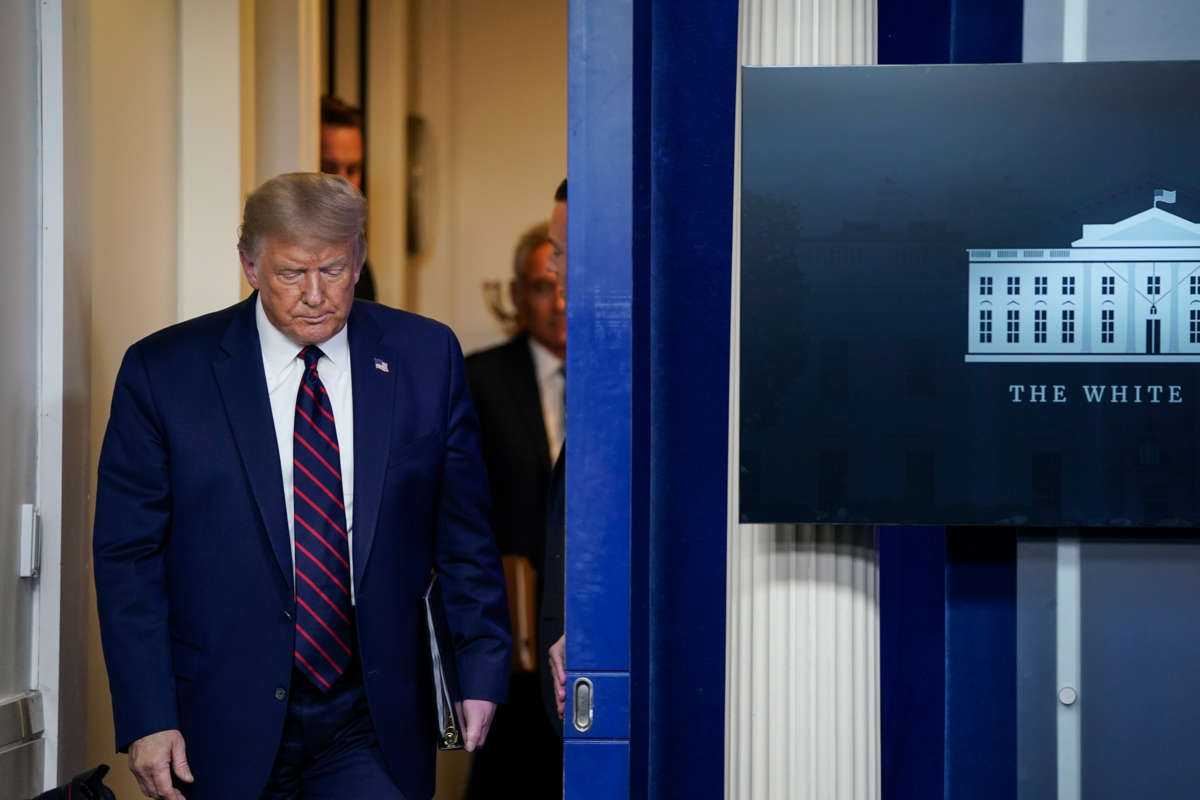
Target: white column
x,y
802,639
210,149
287,77
387,142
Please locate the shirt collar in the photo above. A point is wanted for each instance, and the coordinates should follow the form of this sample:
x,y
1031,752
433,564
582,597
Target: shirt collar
x,y
545,363
279,352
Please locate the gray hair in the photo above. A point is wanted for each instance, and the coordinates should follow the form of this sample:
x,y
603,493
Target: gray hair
x,y
302,206
530,240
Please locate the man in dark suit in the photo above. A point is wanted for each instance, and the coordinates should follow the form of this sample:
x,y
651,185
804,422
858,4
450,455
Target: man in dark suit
x,y
277,481
518,389
552,638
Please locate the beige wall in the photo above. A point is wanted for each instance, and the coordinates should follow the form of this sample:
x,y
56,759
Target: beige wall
x,y
122,193
491,79
77,604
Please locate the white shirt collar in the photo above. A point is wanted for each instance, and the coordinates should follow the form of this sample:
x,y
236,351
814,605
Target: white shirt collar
x,y
545,363
279,352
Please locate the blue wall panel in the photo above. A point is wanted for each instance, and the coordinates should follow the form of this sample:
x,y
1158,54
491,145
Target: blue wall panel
x,y
693,89
981,663
912,613
950,31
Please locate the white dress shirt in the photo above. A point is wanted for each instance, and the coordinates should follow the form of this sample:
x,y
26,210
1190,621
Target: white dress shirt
x,y
284,368
552,389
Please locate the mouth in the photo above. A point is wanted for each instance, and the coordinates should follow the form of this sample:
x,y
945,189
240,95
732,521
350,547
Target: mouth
x,y
315,319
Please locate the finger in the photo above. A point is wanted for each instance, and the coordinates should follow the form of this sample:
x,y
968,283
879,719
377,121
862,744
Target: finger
x,y
472,735
484,727
145,780
180,763
560,670
161,781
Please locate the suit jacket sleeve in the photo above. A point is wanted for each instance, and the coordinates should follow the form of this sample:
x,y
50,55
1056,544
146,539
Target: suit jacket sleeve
x,y
553,584
465,553
133,517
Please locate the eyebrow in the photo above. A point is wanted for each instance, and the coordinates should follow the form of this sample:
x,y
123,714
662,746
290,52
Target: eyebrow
x,y
337,262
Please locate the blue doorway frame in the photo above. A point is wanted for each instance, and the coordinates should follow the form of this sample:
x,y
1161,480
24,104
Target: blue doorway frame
x,y
652,87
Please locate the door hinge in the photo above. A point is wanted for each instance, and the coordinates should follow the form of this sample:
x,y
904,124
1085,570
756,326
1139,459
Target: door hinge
x,y
31,542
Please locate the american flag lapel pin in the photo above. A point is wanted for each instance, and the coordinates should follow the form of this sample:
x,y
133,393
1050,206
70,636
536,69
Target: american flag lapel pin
x,y
381,365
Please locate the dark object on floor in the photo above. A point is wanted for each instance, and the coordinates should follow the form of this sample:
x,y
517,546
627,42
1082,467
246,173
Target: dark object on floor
x,y
84,786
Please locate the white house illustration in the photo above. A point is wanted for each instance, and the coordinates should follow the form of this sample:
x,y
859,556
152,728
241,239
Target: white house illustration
x,y
1125,291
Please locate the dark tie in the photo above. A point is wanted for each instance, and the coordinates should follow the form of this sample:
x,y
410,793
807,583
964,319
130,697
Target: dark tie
x,y
324,634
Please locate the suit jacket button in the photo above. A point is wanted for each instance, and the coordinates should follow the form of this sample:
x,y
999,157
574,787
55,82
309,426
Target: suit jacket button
x,y
280,693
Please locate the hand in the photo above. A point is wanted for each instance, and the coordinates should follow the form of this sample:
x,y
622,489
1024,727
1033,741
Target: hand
x,y
558,671
476,716
151,759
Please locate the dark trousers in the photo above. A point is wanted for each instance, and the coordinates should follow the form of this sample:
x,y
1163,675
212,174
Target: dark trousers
x,y
329,750
522,757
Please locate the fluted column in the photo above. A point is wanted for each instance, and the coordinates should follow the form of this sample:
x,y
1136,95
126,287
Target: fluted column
x,y
802,642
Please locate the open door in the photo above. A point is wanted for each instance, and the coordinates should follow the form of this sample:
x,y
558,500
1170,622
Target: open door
x,y
31,403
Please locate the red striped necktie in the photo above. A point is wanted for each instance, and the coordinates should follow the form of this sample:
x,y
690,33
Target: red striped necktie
x,y
324,633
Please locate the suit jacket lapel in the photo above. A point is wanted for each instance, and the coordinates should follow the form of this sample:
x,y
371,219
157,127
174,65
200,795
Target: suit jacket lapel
x,y
374,389
527,399
244,391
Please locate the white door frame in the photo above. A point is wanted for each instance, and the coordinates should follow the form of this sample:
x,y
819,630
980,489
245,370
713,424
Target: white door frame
x,y
48,591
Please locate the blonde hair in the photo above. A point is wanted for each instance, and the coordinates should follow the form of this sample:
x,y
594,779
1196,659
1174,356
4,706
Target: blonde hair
x,y
302,206
530,240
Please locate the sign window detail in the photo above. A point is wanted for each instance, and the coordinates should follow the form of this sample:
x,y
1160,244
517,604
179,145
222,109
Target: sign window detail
x,y
1068,326
1014,325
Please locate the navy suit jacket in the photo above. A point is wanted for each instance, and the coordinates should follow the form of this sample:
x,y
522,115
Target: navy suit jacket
x,y
193,564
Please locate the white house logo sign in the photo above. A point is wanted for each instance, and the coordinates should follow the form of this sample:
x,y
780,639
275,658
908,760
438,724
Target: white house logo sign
x,y
1128,291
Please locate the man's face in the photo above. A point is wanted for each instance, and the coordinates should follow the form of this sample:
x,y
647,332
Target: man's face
x,y
342,153
307,289
541,307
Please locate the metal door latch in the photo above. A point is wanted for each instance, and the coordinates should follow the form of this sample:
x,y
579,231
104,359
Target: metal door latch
x,y
582,705
31,544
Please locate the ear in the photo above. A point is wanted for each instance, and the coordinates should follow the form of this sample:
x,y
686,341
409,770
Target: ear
x,y
248,269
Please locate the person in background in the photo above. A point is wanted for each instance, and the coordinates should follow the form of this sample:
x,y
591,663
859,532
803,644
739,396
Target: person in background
x,y
552,630
277,481
342,154
518,389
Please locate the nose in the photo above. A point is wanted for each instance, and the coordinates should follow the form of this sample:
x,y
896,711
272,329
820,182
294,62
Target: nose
x,y
312,289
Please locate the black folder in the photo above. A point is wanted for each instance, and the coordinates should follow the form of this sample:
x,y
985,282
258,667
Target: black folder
x,y
448,696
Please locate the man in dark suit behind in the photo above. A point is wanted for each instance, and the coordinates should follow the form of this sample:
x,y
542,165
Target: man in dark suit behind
x,y
518,390
277,481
